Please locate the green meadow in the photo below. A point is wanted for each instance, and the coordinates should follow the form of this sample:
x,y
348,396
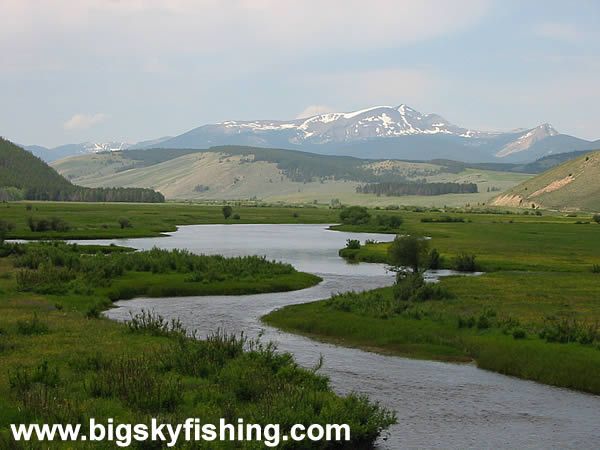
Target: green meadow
x,y
64,363
534,313
102,220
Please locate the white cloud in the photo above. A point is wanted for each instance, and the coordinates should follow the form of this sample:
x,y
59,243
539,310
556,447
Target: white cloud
x,y
314,110
359,89
560,31
84,121
152,27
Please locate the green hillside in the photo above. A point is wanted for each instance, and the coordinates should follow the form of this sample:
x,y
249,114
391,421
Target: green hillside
x,y
571,186
26,177
273,175
22,171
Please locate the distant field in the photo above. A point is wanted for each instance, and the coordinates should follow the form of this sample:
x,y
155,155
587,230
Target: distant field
x,y
345,191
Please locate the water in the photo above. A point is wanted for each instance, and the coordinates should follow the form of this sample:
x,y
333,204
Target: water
x,y
439,405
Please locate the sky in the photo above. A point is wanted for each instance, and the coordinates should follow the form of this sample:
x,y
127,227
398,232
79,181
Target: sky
x,y
131,70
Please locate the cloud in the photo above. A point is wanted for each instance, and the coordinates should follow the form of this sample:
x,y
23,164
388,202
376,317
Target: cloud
x,y
416,87
84,121
314,110
151,27
560,31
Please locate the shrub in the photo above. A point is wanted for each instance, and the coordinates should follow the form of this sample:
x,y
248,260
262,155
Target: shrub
x,y
236,217
353,244
465,263
58,224
442,219
125,223
384,222
127,379
6,226
412,287
519,333
596,218
355,215
32,327
466,321
596,268
435,259
227,211
155,324
23,379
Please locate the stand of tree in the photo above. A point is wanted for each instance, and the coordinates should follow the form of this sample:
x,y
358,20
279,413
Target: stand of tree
x,y
26,177
84,194
399,189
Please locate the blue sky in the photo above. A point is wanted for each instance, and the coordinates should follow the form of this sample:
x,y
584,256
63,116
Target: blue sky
x,y
131,70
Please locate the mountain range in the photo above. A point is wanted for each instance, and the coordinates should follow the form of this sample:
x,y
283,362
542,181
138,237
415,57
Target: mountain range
x,y
379,132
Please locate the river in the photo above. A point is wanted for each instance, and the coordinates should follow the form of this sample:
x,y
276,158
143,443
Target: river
x,y
439,405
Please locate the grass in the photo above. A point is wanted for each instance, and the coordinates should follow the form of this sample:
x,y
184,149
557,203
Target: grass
x,y
100,220
534,315
430,330
501,242
63,367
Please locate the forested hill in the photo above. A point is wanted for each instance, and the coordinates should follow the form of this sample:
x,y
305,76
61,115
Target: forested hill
x,y
26,177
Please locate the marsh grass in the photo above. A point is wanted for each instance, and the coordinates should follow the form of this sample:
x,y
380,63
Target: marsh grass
x,y
32,326
59,269
152,368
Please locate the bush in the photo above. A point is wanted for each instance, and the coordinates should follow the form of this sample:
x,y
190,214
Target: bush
x,y
58,224
236,217
519,333
22,380
596,218
435,259
596,268
412,287
6,226
32,327
355,215
125,223
465,263
442,219
353,244
384,222
227,211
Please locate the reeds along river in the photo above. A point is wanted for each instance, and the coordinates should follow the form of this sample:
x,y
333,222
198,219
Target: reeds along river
x,y
438,404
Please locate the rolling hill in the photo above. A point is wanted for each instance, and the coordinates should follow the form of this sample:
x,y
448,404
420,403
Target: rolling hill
x,y
243,173
571,186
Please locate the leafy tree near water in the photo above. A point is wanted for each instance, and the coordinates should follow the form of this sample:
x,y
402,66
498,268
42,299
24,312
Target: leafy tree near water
x,y
408,251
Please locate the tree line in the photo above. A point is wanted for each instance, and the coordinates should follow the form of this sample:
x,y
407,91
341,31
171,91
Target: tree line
x,y
399,189
84,194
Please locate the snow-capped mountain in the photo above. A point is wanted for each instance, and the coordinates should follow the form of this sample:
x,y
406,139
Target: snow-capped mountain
x,y
370,123
64,151
378,132
527,139
383,132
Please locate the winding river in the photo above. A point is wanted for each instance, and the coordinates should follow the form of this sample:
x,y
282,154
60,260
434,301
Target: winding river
x,y
439,405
